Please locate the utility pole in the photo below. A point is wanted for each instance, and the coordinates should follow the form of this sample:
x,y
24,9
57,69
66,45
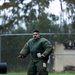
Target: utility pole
x,y
61,15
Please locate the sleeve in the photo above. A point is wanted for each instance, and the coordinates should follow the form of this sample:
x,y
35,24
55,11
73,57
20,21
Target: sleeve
x,y
48,48
25,50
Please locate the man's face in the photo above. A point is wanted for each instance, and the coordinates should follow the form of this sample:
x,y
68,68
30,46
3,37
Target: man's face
x,y
36,35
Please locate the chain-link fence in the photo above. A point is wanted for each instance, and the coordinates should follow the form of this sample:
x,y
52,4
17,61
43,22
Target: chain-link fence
x,y
11,44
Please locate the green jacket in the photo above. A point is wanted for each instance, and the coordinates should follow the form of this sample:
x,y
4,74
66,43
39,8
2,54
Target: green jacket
x,y
33,47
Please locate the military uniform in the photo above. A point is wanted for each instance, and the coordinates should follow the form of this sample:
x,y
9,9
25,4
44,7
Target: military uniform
x,y
39,50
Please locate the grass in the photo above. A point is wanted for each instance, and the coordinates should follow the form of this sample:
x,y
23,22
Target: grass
x,y
24,73
15,73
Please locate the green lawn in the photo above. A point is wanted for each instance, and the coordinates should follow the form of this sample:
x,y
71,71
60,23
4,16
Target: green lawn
x,y
23,73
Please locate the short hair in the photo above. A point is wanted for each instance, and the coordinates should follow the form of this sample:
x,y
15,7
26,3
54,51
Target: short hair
x,y
36,31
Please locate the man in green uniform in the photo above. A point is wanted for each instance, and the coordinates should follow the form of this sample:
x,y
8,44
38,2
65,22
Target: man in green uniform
x,y
39,48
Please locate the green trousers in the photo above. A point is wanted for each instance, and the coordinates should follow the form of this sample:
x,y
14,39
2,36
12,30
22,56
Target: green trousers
x,y
37,68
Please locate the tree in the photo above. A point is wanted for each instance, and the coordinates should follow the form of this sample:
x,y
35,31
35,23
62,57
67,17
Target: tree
x,y
22,13
70,10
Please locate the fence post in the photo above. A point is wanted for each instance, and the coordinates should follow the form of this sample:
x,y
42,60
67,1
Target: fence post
x,y
0,46
3,66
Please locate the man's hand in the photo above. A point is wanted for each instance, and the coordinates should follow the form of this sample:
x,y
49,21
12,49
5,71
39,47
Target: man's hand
x,y
39,55
21,56
42,56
